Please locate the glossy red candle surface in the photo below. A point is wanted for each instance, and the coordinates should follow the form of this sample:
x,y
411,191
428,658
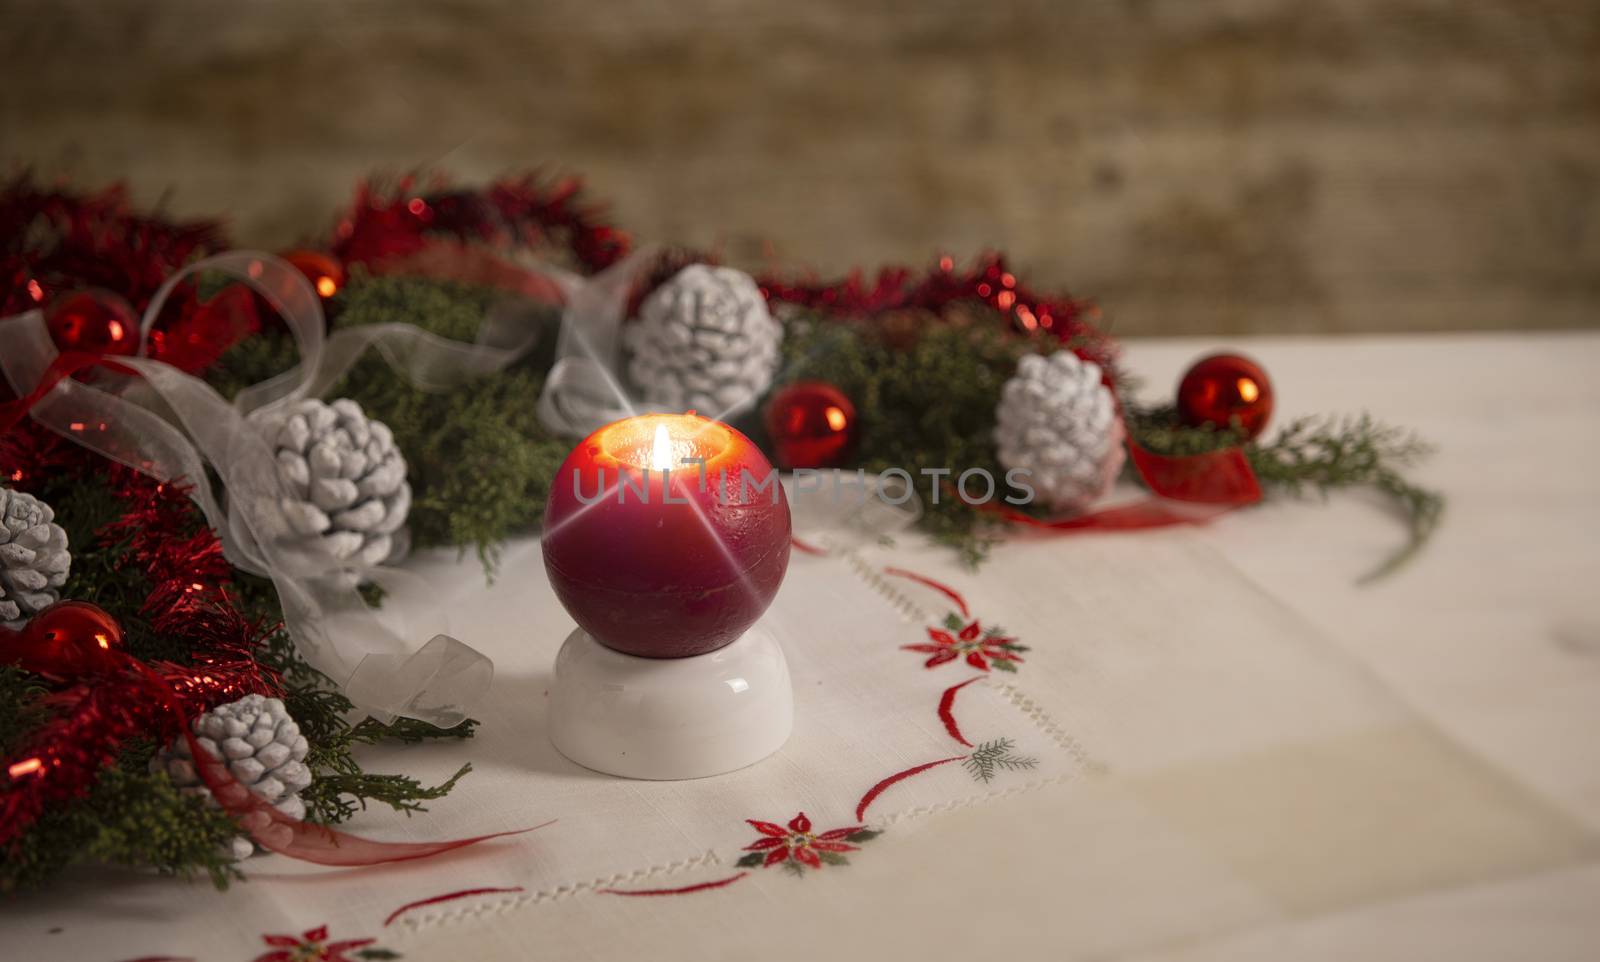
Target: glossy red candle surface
x,y
666,564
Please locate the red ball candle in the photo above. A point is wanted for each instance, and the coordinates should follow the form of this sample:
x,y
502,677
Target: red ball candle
x,y
1224,390
666,535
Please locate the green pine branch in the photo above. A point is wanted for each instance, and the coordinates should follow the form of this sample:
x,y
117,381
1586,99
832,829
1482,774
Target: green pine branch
x,y
1317,455
995,756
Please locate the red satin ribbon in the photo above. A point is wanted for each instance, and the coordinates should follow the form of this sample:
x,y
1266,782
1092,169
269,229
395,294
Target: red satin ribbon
x,y
1189,489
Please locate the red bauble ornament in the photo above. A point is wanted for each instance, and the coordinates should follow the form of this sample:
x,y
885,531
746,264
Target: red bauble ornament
x,y
812,425
65,642
666,566
1226,390
94,320
324,272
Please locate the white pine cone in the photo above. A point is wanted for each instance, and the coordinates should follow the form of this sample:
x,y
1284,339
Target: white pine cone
x,y
704,341
1057,421
263,749
346,481
34,560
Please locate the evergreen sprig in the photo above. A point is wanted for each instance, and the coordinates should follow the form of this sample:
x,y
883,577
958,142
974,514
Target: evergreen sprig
x,y
1316,455
131,818
998,755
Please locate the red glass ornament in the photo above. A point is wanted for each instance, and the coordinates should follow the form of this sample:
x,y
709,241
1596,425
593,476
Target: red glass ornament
x,y
67,641
666,566
812,425
324,272
1225,390
93,320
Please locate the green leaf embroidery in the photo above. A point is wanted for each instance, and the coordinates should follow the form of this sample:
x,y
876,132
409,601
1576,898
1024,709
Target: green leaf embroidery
x,y
865,835
376,953
751,859
994,756
1004,665
953,622
833,858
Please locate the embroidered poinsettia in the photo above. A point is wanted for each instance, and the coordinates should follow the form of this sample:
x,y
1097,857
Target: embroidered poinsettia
x,y
982,647
797,846
313,946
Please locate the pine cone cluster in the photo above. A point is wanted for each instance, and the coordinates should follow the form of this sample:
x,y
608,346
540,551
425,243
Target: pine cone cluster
x,y
1058,421
263,749
34,560
347,480
704,341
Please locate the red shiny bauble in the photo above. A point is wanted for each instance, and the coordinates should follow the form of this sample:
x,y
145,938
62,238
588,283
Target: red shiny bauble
x,y
1226,390
666,565
67,641
812,425
324,272
94,320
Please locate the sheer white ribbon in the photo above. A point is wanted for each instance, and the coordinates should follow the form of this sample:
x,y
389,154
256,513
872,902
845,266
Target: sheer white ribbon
x,y
584,390
170,425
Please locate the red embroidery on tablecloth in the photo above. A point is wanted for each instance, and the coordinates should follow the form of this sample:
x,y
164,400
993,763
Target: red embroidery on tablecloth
x,y
961,635
447,897
981,763
947,704
938,586
982,647
887,783
312,945
797,847
682,890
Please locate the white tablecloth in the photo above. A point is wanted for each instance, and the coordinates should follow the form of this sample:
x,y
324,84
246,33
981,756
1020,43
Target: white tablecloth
x,y
1241,754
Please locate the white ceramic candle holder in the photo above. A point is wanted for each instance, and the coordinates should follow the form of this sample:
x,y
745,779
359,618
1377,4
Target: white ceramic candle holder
x,y
671,718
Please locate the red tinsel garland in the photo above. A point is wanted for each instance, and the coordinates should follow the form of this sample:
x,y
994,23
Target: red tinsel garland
x,y
162,534
92,722
392,222
989,281
55,241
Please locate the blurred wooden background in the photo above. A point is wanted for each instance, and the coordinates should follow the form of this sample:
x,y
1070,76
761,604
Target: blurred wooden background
x,y
1251,165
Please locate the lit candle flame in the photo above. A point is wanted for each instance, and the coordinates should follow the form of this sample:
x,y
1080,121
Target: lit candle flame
x,y
661,451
